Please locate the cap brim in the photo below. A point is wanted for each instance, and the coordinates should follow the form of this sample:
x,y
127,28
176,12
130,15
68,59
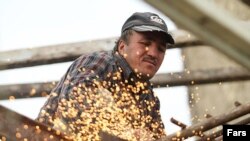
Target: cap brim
x,y
144,28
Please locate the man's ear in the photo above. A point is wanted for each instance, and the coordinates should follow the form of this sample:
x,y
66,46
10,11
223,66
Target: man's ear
x,y
121,47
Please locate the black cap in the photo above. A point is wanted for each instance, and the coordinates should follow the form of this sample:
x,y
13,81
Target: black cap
x,y
147,21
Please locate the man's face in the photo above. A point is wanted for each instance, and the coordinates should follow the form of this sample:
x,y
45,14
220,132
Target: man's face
x,y
144,52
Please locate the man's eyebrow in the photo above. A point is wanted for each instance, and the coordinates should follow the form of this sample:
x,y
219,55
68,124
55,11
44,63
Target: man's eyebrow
x,y
162,41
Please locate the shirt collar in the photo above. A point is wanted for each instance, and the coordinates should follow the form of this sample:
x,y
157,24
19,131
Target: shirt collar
x,y
123,64
127,70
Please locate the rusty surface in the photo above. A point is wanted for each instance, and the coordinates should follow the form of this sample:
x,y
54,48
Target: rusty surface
x,y
14,126
199,128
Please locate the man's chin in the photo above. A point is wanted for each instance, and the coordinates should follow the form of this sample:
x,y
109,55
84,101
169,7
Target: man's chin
x,y
145,76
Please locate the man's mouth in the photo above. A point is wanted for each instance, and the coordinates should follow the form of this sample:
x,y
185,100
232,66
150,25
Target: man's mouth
x,y
153,62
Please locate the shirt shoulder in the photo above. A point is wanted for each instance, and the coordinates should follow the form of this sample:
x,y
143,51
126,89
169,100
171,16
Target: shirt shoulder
x,y
96,63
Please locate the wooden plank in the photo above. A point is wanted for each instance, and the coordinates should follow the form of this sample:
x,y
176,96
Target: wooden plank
x,y
213,25
68,52
160,80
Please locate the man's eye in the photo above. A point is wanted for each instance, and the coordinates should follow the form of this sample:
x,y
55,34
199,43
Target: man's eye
x,y
145,43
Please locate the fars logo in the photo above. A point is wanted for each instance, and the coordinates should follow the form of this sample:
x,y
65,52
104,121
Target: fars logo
x,y
156,19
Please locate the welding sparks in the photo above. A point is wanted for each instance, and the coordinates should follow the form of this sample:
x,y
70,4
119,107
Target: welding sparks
x,y
117,111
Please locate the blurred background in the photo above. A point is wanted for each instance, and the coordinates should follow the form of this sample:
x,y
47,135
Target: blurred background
x,y
30,24
203,79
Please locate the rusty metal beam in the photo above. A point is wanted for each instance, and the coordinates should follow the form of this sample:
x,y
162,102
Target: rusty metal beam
x,y
25,90
199,128
69,52
200,77
160,80
51,54
14,126
218,133
211,24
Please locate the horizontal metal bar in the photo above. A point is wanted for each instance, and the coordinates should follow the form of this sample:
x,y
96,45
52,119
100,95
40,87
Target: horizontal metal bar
x,y
159,80
69,52
200,77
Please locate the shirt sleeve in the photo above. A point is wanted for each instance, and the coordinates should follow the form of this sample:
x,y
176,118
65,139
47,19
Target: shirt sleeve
x,y
79,77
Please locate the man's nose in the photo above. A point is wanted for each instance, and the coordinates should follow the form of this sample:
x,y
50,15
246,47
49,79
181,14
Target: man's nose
x,y
152,50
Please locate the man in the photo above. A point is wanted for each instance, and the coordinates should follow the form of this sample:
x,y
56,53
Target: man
x,y
110,90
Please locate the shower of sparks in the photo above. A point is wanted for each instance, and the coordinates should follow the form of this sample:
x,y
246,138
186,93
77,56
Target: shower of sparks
x,y
11,98
32,92
91,109
117,111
